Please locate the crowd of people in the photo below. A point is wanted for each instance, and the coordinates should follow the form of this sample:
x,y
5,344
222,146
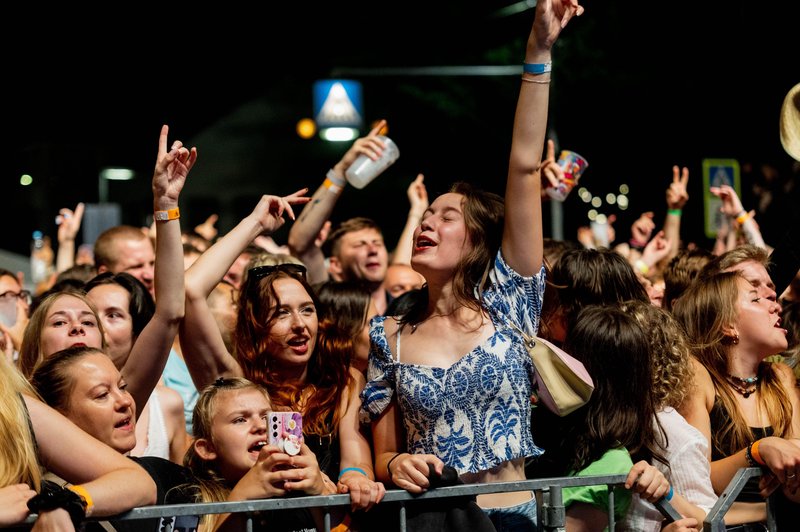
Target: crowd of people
x,y
146,372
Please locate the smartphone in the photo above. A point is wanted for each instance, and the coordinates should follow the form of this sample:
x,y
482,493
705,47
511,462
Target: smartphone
x,y
285,431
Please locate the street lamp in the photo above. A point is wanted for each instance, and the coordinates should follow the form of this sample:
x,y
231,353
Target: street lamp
x,y
111,174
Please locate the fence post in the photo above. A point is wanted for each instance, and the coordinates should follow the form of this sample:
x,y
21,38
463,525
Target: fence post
x,y
552,509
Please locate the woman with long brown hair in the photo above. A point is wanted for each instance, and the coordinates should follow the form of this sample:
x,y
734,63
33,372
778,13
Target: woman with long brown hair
x,y
277,345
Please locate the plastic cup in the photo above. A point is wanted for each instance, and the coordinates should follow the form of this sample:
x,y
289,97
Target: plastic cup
x,y
364,170
573,166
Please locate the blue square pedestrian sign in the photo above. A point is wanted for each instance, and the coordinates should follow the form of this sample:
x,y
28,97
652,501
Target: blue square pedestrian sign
x,y
338,103
717,172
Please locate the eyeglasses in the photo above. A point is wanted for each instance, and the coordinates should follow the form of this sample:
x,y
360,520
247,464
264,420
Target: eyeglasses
x,y
23,295
259,272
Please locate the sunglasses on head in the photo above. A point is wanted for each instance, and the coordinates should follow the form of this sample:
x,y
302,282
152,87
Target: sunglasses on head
x,y
259,272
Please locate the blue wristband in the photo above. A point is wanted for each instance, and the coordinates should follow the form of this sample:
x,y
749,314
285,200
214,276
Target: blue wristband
x,y
537,68
670,494
356,469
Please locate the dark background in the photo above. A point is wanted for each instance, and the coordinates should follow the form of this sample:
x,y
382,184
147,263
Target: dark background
x,y
637,88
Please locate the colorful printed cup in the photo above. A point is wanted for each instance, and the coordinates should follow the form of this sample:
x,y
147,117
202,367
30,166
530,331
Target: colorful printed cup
x,y
573,166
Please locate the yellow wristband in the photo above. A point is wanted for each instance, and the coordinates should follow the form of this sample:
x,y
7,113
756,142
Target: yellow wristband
x,y
165,216
742,218
83,494
642,266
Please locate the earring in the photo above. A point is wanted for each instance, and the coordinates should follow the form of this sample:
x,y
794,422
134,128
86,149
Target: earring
x,y
735,339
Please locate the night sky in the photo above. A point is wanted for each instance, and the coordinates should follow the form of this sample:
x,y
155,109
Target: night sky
x,y
637,88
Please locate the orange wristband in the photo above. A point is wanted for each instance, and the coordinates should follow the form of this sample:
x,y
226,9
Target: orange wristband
x,y
742,218
755,454
83,494
165,216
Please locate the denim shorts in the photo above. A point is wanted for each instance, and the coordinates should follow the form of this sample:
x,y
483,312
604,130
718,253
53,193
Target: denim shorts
x,y
517,518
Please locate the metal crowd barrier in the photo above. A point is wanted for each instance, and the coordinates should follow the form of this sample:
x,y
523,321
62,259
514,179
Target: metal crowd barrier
x,y
550,509
714,519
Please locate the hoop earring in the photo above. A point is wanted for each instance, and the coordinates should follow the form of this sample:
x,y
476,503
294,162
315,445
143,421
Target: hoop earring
x,y
735,340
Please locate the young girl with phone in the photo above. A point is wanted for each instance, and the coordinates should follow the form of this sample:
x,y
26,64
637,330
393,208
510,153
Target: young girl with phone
x,y
233,461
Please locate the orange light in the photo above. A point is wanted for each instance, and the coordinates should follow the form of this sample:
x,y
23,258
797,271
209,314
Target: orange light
x,y
306,128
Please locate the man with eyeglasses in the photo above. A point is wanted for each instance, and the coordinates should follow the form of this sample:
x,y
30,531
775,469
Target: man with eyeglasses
x,y
15,304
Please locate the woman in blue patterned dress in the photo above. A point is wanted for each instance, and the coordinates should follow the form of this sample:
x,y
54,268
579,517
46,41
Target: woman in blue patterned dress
x,y
450,379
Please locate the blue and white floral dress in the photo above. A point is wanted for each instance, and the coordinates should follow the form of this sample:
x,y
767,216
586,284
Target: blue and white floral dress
x,y
475,414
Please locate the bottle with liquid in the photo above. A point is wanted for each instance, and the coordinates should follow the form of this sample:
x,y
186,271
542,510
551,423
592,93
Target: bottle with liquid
x,y
38,258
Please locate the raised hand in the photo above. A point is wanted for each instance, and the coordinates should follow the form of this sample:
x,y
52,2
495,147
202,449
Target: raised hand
x,y
270,210
171,170
371,146
656,249
552,173
207,229
69,223
677,196
417,196
642,229
551,17
731,204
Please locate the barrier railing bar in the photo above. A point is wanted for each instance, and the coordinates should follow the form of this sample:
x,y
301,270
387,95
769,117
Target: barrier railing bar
x,y
611,524
554,510
714,521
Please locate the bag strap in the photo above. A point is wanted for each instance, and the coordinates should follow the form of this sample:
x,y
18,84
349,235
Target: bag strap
x,y
529,340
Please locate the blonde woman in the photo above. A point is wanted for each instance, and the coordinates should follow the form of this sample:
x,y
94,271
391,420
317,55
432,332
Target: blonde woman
x,y
106,483
747,409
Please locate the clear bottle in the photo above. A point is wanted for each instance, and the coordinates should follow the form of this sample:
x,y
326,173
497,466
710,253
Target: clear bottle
x,y
38,259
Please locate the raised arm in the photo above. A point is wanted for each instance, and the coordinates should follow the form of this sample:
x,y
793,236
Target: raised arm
x,y
733,210
115,483
69,223
149,353
522,234
418,199
677,196
201,342
308,225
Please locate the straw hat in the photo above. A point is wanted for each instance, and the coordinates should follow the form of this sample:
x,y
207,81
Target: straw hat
x,y
790,123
